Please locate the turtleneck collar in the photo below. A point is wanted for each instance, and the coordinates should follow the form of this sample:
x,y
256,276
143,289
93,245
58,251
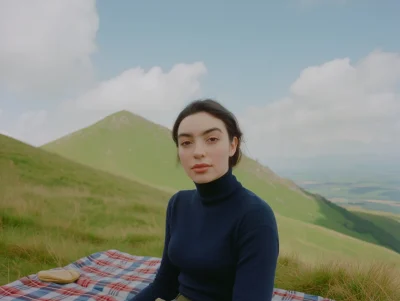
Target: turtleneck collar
x,y
218,189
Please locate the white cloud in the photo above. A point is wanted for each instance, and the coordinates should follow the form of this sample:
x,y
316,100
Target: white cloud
x,y
154,94
337,107
45,46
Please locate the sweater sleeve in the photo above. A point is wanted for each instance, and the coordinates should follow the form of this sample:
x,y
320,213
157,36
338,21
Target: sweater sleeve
x,y
165,284
258,250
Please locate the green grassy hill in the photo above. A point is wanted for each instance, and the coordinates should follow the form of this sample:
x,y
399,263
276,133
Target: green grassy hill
x,y
128,145
54,211
373,213
382,229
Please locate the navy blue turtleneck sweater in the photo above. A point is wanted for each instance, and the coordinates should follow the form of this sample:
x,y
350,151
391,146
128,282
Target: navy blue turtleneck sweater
x,y
221,244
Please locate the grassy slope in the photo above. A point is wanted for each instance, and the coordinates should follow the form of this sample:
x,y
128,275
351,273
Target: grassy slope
x,y
384,220
131,146
54,211
391,216
382,230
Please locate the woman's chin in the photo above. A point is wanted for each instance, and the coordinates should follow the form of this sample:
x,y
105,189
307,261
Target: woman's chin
x,y
201,178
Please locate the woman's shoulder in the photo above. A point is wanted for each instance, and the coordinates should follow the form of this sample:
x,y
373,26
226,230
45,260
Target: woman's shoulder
x,y
179,195
254,201
257,212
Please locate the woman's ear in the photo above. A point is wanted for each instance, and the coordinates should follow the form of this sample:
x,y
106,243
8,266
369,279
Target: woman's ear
x,y
233,146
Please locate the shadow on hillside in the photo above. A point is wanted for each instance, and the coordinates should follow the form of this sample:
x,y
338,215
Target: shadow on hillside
x,y
353,225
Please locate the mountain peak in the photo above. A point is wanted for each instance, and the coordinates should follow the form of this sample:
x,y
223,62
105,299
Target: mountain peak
x,y
122,114
123,118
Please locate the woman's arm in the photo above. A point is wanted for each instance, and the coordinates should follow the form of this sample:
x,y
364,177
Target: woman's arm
x,y
165,284
258,250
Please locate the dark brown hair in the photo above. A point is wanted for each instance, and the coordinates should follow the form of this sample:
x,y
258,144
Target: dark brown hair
x,y
215,109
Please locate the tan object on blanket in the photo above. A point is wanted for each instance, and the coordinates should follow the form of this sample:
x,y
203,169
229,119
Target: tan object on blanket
x,y
59,276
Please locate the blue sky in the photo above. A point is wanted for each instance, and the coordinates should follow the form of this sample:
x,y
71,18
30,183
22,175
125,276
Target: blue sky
x,y
252,49
304,77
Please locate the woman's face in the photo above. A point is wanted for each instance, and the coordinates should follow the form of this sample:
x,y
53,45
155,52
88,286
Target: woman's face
x,y
204,147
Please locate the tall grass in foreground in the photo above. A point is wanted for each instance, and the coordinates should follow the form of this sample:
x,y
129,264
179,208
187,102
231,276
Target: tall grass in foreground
x,y
27,247
339,280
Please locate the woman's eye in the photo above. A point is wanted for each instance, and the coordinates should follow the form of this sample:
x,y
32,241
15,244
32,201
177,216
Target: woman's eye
x,y
185,143
213,139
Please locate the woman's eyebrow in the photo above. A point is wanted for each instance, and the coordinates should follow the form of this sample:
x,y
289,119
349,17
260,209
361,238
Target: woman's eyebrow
x,y
204,133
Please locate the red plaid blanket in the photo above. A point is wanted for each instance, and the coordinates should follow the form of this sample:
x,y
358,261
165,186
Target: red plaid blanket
x,y
106,276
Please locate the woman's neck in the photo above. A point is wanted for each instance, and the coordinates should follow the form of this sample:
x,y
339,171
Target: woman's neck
x,y
218,189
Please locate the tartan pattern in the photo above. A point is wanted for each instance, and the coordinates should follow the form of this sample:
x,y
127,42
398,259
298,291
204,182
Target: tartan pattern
x,y
107,276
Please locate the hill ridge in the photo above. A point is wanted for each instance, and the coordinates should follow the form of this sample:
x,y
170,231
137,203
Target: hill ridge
x,y
126,117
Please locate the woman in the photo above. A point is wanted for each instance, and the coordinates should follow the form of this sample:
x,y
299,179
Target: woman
x,y
221,239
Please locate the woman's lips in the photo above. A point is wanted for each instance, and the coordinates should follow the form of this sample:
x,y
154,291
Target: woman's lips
x,y
200,168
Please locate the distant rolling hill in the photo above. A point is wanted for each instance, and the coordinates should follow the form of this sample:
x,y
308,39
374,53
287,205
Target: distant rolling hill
x,y
128,145
54,210
371,183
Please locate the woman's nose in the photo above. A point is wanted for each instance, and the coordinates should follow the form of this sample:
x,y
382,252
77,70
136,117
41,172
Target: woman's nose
x,y
199,150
